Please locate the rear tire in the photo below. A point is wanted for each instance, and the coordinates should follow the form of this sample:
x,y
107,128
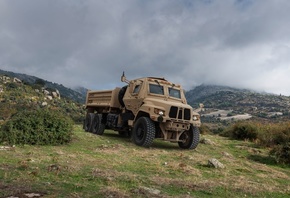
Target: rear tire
x,y
88,122
144,132
97,126
190,138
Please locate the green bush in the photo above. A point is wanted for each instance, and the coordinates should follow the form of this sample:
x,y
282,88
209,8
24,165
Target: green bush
x,y
37,127
275,134
242,131
204,129
11,86
281,153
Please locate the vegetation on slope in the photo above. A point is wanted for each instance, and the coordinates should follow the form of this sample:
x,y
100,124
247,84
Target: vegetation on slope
x,y
111,166
275,137
17,96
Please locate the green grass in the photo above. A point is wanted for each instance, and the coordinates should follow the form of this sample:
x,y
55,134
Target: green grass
x,y
112,166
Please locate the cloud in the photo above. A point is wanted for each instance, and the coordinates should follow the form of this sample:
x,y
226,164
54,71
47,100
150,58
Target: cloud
x,y
241,43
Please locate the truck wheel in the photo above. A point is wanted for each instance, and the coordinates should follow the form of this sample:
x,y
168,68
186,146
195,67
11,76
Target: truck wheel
x,y
144,132
121,95
98,127
190,138
88,122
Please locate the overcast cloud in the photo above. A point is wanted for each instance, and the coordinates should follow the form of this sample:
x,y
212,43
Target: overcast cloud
x,y
239,43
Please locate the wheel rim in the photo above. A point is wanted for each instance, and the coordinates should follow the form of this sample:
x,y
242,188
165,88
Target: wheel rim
x,y
185,138
140,133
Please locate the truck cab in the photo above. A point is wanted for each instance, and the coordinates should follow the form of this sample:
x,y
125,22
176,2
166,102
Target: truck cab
x,y
163,103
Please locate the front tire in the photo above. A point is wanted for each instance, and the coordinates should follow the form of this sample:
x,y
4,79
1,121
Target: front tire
x,y
97,126
189,139
144,132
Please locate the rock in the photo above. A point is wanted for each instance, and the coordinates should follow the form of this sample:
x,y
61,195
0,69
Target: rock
x,y
5,79
207,141
36,90
150,191
49,97
54,94
32,195
45,92
5,148
57,93
215,163
44,104
227,155
16,80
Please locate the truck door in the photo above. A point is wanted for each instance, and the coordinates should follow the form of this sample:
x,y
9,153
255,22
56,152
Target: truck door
x,y
133,100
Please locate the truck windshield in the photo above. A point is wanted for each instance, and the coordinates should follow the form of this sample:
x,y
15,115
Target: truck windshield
x,y
156,89
174,92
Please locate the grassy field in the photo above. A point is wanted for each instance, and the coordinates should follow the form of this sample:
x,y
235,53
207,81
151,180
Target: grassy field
x,y
112,166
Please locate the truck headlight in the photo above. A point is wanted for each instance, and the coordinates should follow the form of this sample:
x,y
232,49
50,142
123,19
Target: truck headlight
x,y
159,112
195,117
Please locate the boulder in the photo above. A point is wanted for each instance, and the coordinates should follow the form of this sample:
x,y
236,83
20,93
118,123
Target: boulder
x,y
215,163
17,80
49,97
207,141
46,92
55,95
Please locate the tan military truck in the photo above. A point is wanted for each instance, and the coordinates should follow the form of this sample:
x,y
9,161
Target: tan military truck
x,y
146,108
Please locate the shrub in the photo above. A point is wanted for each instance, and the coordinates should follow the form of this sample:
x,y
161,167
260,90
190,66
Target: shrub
x,y
281,153
11,86
204,129
37,127
243,131
275,134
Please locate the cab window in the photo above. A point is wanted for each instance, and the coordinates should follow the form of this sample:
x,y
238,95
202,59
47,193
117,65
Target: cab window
x,y
156,89
174,93
136,89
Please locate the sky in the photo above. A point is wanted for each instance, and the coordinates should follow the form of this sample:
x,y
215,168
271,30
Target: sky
x,y
237,43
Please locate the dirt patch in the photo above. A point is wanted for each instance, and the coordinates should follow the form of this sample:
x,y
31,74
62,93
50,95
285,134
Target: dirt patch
x,y
113,193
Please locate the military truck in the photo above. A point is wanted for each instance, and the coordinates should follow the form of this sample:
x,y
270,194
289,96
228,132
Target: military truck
x,y
144,109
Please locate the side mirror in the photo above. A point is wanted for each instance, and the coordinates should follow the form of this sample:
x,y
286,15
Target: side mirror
x,y
124,79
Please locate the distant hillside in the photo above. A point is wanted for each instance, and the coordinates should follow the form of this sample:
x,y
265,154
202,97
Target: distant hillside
x,y
202,92
260,105
77,95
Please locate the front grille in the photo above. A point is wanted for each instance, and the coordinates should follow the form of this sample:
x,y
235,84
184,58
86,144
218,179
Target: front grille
x,y
179,113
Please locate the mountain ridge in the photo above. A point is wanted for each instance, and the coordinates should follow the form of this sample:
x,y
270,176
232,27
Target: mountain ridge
x,y
240,101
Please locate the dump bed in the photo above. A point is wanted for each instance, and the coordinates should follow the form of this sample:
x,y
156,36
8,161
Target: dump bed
x,y
105,98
